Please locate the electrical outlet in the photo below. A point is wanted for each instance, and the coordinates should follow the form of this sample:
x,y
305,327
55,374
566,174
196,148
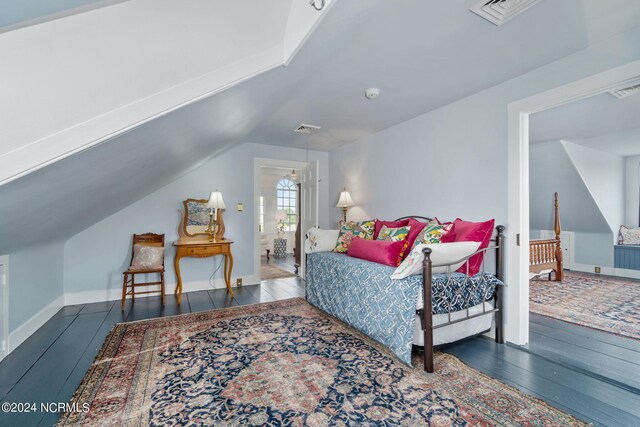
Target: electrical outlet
x,y
597,270
239,281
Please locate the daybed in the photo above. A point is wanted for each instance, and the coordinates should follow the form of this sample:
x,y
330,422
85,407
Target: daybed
x,y
418,311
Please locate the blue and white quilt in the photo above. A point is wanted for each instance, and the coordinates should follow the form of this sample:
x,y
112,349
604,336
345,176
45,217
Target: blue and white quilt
x,y
362,294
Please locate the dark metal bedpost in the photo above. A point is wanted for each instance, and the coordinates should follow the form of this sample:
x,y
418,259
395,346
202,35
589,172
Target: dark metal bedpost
x,y
427,310
499,299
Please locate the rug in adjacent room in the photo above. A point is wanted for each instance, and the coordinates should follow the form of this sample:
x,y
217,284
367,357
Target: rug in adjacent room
x,y
606,303
269,271
284,363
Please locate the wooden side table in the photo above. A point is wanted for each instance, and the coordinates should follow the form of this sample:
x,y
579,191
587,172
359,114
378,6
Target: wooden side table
x,y
279,248
199,248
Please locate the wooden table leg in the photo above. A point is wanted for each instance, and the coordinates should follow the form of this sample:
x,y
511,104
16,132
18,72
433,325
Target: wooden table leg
x,y
178,292
228,266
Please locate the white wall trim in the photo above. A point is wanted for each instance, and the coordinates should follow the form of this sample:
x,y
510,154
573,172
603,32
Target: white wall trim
x,y
115,294
608,271
4,288
517,310
28,328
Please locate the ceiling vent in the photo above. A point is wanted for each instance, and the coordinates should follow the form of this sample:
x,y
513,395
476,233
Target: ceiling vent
x,y
626,91
307,129
500,11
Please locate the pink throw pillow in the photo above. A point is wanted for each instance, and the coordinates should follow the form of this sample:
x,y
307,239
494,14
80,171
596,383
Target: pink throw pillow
x,y
380,251
466,231
389,224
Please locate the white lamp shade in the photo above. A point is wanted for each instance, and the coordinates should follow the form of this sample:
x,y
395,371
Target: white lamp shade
x,y
281,214
345,200
216,201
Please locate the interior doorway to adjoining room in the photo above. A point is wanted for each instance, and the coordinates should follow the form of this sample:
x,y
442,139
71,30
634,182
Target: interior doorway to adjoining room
x,y
517,324
285,205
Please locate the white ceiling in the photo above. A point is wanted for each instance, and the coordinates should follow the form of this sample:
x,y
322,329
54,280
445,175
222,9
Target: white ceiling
x,y
602,122
422,55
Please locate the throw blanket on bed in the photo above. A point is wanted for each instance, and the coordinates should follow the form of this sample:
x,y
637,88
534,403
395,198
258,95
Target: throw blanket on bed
x,y
362,294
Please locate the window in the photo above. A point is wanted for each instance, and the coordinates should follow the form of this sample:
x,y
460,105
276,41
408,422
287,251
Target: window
x,y
287,198
261,214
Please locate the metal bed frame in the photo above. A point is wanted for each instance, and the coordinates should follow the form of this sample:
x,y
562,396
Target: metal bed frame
x,y
426,313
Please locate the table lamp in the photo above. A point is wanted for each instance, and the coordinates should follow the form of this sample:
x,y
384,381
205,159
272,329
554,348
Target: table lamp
x,y
281,215
345,201
215,202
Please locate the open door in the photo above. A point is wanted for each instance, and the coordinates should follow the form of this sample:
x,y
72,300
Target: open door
x,y
4,306
309,193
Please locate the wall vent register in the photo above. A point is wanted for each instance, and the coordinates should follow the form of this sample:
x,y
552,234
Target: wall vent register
x,y
307,129
626,91
500,11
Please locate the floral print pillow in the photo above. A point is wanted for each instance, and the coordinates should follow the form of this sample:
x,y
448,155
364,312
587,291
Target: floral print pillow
x,y
394,234
433,233
351,229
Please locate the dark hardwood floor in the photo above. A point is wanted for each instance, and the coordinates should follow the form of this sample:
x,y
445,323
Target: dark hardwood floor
x,y
577,370
591,374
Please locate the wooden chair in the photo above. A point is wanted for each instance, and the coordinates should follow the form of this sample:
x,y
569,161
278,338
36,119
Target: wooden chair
x,y
148,239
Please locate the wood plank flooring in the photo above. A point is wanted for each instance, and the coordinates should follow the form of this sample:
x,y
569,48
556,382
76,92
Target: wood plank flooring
x,y
50,365
590,374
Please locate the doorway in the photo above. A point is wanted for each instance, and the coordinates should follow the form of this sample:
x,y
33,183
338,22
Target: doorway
x,y
517,326
279,222
281,195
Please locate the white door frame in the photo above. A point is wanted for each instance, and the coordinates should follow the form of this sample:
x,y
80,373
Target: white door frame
x,y
257,163
517,307
4,288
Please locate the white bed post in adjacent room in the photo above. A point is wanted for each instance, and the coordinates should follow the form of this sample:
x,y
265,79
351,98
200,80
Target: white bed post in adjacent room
x,y
517,304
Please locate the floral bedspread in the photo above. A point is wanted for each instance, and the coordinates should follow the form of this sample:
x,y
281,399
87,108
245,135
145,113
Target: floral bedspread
x,y
362,294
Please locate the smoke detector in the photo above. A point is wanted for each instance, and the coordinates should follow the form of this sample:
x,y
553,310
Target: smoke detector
x,y
626,91
500,11
372,93
307,129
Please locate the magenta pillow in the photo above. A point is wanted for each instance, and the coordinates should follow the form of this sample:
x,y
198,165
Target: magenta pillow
x,y
466,231
389,224
380,251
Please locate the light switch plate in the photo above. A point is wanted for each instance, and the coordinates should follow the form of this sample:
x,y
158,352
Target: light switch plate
x,y
240,207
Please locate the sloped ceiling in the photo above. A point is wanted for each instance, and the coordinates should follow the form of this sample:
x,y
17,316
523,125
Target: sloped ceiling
x,y
421,54
553,171
602,122
71,82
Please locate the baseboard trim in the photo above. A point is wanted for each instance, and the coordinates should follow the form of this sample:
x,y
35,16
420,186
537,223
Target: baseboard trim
x,y
115,294
608,271
28,328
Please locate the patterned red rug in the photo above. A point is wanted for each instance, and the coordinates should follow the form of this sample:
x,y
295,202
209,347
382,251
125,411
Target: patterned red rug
x,y
284,363
606,303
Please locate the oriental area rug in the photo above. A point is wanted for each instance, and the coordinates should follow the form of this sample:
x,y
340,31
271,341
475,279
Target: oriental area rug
x,y
284,363
605,303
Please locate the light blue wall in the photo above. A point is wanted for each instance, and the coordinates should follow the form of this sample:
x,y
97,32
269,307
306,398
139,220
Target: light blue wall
x,y
35,281
96,257
603,174
452,161
594,249
551,170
